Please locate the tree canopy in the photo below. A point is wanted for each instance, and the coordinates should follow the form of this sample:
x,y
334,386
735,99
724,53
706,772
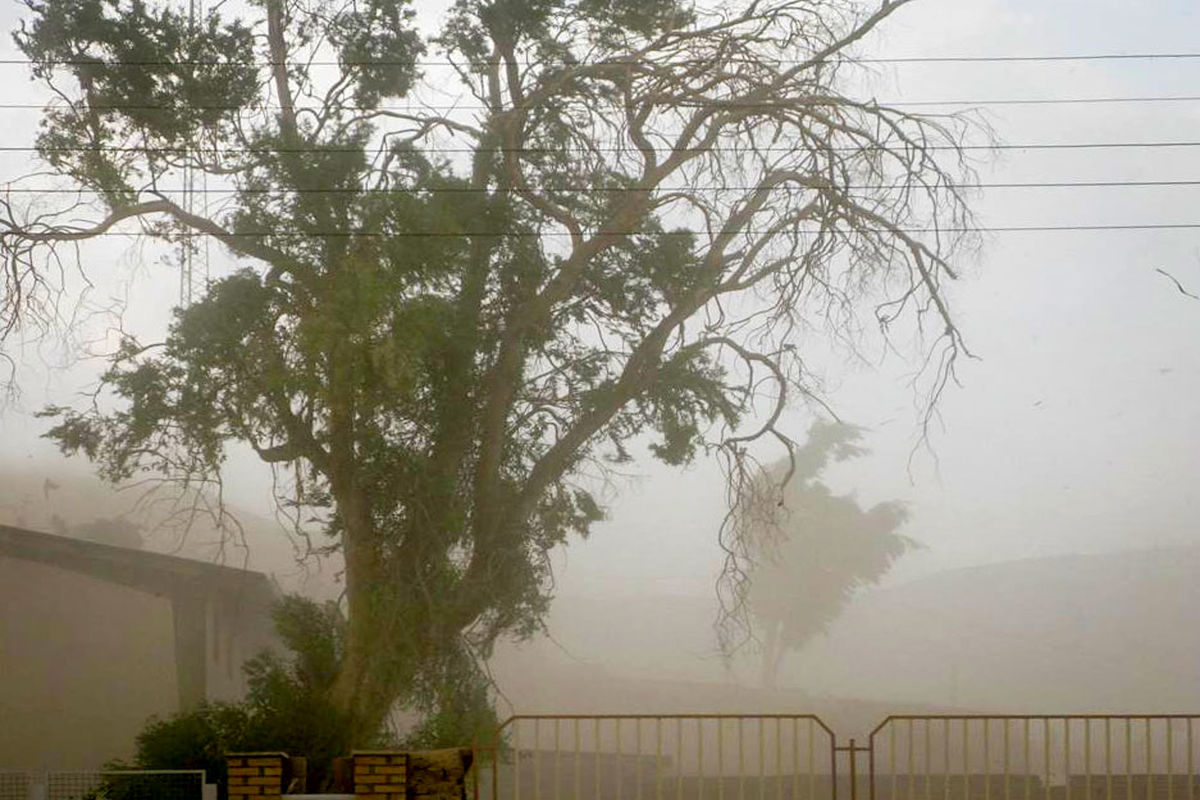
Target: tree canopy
x,y
476,269
814,549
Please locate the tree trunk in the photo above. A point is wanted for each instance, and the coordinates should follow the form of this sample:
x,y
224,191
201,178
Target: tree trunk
x,y
362,691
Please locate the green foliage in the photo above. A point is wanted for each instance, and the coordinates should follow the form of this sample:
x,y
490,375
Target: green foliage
x,y
290,698
190,84
288,706
457,706
376,39
196,739
443,318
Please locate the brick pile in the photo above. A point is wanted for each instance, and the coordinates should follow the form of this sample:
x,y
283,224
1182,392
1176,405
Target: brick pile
x,y
371,774
256,775
380,774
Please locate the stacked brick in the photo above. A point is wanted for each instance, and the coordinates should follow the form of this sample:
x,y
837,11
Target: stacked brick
x,y
260,776
371,774
380,775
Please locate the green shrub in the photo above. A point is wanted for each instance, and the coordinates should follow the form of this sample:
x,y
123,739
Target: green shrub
x,y
287,708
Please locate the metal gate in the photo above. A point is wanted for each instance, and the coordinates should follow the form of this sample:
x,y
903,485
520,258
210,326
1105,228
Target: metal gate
x,y
658,757
107,785
798,757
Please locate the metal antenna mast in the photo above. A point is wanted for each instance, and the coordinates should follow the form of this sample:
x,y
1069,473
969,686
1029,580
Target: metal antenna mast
x,y
193,277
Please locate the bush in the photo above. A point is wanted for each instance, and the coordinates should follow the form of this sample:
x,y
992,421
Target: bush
x,y
287,708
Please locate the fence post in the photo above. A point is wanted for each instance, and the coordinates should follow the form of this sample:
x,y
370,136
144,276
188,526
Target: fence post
x,y
257,775
380,774
853,749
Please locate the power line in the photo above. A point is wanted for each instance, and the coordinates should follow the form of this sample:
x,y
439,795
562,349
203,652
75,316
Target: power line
x,y
615,150
617,190
1153,226
1033,58
1050,101
994,59
713,103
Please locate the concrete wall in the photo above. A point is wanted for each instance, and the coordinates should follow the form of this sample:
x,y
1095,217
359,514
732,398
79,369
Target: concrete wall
x,y
83,663
94,640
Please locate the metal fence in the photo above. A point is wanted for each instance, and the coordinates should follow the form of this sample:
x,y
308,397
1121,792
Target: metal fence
x,y
1073,757
658,757
107,785
798,757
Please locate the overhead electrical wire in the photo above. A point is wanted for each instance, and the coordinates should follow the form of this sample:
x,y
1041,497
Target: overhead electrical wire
x,y
1033,58
1038,101
424,108
79,235
998,59
610,190
427,108
617,150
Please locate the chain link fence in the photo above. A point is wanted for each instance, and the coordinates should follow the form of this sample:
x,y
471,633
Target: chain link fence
x,y
15,785
107,785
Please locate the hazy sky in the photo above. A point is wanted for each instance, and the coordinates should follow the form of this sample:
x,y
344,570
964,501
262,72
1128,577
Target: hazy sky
x,y
1078,429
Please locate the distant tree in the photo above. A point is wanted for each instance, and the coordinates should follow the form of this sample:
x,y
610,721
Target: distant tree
x,y
461,292
116,531
813,549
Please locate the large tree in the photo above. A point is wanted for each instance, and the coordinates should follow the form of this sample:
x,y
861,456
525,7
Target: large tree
x,y
463,285
813,549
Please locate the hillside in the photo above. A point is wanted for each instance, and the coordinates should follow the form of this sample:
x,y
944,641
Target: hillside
x,y
1113,632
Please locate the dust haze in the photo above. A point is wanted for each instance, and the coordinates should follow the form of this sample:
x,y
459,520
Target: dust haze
x,y
1052,500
